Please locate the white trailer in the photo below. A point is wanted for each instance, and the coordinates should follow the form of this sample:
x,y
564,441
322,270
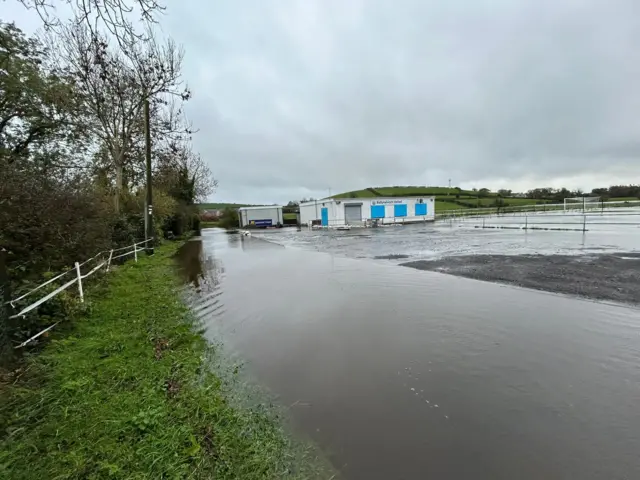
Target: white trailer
x,y
332,212
266,216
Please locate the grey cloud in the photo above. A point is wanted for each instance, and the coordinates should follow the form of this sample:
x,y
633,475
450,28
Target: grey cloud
x,y
305,95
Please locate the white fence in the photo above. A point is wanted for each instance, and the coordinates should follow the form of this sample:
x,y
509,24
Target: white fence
x,y
595,219
522,210
77,278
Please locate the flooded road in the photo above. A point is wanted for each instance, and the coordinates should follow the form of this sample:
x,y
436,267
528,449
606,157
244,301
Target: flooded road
x,y
403,374
433,241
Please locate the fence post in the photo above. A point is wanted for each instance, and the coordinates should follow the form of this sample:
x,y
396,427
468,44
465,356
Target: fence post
x,y
5,298
135,252
526,221
79,282
109,261
584,223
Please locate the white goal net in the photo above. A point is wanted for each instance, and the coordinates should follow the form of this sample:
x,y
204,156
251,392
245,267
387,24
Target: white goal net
x,y
582,203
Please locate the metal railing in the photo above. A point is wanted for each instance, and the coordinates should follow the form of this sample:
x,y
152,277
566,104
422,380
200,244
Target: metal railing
x,y
543,208
77,278
551,220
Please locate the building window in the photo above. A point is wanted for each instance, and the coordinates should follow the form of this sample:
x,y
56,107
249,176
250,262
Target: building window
x,y
377,211
400,210
421,209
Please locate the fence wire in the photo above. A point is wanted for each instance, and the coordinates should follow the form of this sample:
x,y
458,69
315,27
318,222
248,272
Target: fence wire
x,y
128,250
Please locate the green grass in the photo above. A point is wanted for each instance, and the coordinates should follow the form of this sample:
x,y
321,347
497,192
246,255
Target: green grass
x,y
417,191
441,193
525,201
289,216
446,198
491,202
355,194
207,224
402,191
122,391
624,199
442,205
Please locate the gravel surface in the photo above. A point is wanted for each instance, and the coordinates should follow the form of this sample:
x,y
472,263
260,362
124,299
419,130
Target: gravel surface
x,y
614,277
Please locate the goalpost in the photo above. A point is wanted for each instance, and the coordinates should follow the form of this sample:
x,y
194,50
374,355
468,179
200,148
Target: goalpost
x,y
581,203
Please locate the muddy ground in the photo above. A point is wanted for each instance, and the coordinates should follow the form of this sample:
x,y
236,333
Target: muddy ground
x,y
613,277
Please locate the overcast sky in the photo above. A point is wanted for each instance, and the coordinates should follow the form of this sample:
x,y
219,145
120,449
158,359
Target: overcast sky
x,y
296,98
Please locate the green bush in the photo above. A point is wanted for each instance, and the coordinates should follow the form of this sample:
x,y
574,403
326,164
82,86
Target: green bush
x,y
229,218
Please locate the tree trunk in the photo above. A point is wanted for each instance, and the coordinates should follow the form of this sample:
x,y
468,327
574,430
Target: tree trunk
x,y
118,192
117,160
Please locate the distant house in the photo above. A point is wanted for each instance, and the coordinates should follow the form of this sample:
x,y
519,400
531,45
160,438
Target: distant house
x,y
261,216
210,214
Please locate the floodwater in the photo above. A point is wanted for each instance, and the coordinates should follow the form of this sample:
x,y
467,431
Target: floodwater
x,y
404,374
430,241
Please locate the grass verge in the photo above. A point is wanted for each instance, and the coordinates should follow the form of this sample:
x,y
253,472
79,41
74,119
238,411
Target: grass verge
x,y
124,392
209,224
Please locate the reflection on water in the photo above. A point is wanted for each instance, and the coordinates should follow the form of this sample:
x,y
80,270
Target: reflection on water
x,y
190,263
203,273
405,374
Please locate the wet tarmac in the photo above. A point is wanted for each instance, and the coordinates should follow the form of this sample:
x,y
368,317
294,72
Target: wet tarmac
x,y
611,277
404,374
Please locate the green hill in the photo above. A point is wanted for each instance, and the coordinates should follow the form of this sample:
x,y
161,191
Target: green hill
x,y
446,198
406,191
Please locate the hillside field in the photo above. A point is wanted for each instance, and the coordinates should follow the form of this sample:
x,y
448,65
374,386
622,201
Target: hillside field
x,y
446,198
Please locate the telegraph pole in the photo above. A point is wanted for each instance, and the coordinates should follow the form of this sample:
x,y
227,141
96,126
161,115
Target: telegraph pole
x,y
147,153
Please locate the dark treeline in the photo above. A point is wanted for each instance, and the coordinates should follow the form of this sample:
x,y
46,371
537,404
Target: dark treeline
x,y
605,193
618,191
554,194
72,163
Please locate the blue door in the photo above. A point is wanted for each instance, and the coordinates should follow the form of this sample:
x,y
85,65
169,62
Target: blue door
x,y
324,215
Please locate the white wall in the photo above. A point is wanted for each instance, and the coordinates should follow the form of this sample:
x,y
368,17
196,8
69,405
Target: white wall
x,y
267,213
389,210
311,210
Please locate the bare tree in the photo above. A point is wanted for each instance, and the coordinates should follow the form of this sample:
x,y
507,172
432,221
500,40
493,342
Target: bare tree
x,y
201,176
113,15
183,173
115,86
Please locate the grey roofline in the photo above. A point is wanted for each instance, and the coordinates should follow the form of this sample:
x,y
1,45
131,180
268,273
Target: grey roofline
x,y
360,199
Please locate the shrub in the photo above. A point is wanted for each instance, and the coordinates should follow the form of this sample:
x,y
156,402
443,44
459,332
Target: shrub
x,y
229,218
